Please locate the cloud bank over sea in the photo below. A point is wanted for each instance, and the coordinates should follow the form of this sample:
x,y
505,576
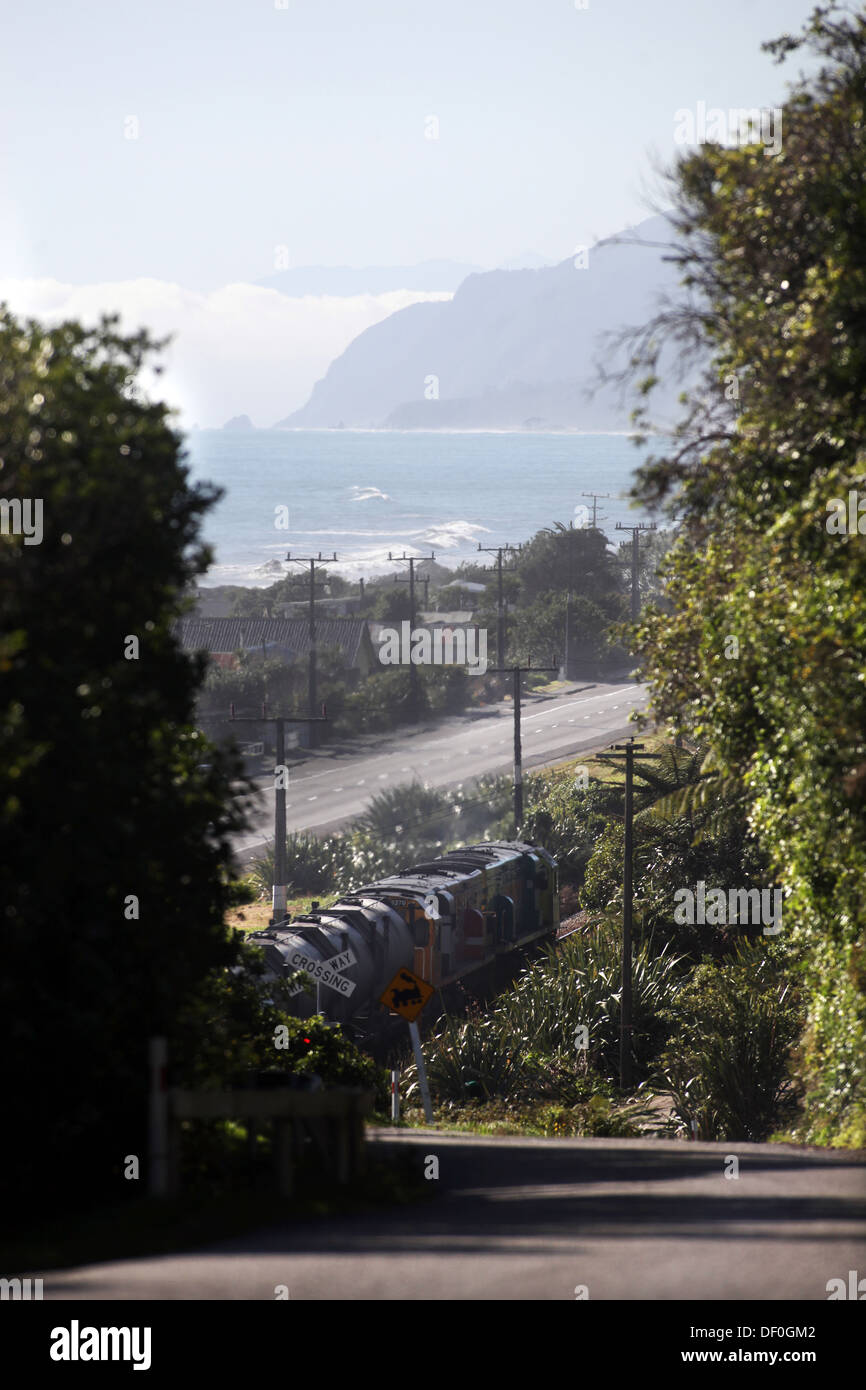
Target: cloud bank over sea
x,y
238,350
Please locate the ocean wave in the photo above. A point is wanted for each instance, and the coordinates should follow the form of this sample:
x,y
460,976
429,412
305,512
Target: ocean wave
x,y
450,534
445,534
368,494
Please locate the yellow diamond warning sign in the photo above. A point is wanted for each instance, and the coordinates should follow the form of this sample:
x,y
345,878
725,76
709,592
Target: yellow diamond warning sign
x,y
407,994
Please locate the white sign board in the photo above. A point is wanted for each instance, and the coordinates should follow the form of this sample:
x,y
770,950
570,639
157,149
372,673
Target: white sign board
x,y
327,972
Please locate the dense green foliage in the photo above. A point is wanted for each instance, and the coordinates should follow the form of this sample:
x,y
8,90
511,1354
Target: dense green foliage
x,y
114,845
567,818
733,1027
525,1047
115,813
774,253
665,859
230,1032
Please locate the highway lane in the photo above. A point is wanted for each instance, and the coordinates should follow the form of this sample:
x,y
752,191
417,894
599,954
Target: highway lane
x,y
326,791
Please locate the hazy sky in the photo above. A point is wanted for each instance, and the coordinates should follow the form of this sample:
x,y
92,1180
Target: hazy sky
x,y
306,127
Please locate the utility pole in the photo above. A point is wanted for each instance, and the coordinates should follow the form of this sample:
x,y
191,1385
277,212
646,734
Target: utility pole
x,y
595,496
312,561
635,562
280,721
631,751
516,672
498,551
566,666
413,670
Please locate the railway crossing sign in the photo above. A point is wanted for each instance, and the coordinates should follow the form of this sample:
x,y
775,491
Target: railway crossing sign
x,y
327,972
407,994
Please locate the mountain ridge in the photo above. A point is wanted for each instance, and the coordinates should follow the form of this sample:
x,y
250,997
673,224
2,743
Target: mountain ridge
x,y
510,349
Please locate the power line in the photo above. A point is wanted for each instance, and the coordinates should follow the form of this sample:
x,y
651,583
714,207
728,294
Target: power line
x,y
500,601
517,672
312,561
630,750
595,496
278,901
635,562
413,669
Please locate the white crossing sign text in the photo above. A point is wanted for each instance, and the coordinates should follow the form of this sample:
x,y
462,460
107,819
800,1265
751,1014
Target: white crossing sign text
x,y
327,972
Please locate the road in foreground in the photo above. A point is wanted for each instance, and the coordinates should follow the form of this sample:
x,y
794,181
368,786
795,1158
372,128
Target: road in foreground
x,y
516,1218
327,790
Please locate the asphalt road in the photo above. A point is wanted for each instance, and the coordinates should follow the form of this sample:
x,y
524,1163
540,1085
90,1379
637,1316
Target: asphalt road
x,y
515,1218
326,790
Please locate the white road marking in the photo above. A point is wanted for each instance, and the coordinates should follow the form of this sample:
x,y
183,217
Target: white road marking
x,y
587,700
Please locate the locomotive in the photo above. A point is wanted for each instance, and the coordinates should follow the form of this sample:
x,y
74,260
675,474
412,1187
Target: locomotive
x,y
446,920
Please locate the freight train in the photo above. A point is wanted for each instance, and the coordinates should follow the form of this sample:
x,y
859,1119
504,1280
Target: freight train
x,y
448,919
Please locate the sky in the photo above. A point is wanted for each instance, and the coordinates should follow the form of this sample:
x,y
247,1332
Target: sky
x,y
157,158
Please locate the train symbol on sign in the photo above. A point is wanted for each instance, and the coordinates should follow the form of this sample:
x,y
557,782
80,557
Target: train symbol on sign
x,y
407,994
412,995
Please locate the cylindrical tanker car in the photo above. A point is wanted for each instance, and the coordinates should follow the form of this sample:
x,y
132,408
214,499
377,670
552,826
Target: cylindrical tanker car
x,y
445,919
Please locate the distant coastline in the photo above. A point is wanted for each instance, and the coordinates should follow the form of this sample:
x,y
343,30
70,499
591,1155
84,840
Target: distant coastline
x,y
360,429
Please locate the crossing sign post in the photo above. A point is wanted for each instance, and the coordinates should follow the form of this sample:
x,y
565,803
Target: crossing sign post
x,y
406,995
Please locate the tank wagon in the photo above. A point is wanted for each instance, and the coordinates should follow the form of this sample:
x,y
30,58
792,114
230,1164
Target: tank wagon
x,y
446,919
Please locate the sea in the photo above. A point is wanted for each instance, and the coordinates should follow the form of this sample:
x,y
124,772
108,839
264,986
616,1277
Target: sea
x,y
361,494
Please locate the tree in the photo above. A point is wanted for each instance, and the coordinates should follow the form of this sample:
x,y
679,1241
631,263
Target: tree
x,y
763,655
567,558
115,839
392,605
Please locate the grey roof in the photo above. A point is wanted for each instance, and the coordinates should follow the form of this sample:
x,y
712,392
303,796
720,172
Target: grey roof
x,y
226,635
459,618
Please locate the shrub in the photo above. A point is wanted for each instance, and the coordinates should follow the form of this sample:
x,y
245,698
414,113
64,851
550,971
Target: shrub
x,y
312,865
229,1032
568,819
734,1025
580,984
524,1049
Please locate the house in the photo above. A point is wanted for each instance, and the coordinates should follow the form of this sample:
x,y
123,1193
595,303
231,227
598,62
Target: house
x,y
460,618
285,638
467,590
